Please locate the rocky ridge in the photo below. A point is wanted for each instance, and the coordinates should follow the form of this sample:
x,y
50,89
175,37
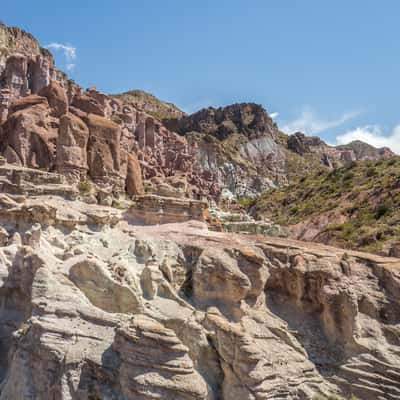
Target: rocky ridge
x,y
132,142
49,122
336,156
150,104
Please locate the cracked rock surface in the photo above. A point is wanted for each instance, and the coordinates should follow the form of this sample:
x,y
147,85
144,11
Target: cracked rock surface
x,y
95,307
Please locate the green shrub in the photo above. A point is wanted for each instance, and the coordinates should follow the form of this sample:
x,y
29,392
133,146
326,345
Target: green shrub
x,y
85,187
118,205
382,210
294,209
371,171
245,201
348,176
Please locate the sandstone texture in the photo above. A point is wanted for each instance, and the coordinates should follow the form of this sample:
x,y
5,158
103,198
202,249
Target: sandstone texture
x,y
97,306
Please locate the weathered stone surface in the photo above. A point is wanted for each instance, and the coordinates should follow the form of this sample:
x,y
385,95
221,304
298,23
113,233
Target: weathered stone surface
x,y
104,147
102,302
220,154
26,102
354,151
72,143
237,148
245,289
95,307
30,133
87,104
152,209
25,67
134,183
155,363
57,98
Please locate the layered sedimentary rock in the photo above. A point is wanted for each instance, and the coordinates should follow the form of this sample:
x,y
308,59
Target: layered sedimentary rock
x,y
104,157
25,67
153,209
95,306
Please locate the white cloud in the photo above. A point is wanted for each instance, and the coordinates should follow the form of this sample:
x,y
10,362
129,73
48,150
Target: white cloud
x,y
373,135
274,115
310,124
70,67
68,51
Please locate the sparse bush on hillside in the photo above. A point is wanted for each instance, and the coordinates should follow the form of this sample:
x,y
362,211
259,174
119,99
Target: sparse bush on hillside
x,y
348,176
84,187
367,194
371,171
245,201
382,210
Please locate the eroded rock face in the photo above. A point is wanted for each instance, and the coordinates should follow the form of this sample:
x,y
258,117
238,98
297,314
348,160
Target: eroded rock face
x,y
134,183
248,118
220,154
57,98
237,148
29,134
25,67
95,306
155,363
104,157
72,142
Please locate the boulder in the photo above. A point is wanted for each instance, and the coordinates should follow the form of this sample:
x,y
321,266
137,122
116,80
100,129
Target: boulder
x,y
72,144
26,102
57,98
134,183
104,147
88,104
30,133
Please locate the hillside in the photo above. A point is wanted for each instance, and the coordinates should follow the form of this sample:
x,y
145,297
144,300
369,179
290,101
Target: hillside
x,y
355,207
152,105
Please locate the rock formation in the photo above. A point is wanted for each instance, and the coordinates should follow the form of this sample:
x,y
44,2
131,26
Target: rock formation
x,y
95,306
339,155
137,141
238,148
108,296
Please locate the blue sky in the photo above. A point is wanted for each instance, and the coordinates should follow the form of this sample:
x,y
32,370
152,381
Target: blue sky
x,y
328,68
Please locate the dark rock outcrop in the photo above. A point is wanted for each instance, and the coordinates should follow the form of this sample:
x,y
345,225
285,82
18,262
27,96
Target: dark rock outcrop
x,y
249,119
330,155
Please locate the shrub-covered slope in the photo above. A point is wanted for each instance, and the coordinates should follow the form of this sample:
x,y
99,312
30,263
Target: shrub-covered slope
x,y
354,207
